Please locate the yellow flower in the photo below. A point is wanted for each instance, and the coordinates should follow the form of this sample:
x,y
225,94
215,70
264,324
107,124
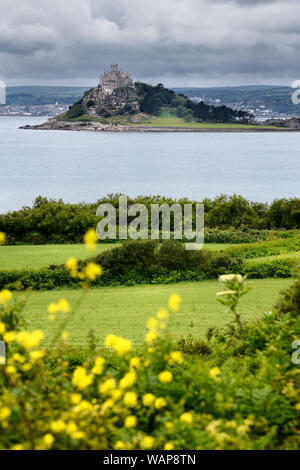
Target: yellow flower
x,y
4,413
72,266
11,370
36,355
58,426
128,380
162,314
2,328
160,403
147,443
71,428
169,446
135,362
63,306
148,399
5,296
48,440
76,398
110,340
130,422
107,386
9,337
152,323
151,336
214,372
90,239
122,346
169,425
298,407
2,238
119,445
165,377
130,399
30,340
65,336
174,303
92,271
81,379
18,358
78,435
98,367
108,404
186,418
52,308
26,367
116,394
177,357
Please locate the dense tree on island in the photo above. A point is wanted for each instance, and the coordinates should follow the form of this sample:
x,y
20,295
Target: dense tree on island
x,y
151,100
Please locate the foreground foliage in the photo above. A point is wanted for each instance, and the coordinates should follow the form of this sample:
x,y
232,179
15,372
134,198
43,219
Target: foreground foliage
x,y
242,392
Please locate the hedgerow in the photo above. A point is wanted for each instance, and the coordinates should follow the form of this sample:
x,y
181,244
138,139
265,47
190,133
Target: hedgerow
x,y
228,219
267,248
133,263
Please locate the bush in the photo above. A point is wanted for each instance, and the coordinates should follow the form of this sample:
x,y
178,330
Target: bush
x,y
278,268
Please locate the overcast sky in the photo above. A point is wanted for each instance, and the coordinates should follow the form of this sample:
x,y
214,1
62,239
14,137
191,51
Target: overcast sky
x,y
177,42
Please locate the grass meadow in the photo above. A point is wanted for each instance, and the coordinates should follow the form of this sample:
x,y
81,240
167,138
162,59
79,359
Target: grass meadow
x,y
39,256
125,310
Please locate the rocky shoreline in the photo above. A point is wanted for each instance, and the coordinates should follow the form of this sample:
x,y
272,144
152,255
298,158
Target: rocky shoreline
x,y
53,124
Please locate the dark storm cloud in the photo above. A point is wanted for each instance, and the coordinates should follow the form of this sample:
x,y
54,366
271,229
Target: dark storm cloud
x,y
181,41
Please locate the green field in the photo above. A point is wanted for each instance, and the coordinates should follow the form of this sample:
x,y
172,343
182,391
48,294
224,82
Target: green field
x,y
165,120
38,256
125,310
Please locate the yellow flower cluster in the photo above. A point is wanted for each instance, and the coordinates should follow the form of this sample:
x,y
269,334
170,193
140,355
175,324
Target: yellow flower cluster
x,y
90,239
62,306
81,379
89,273
174,303
5,296
120,345
26,339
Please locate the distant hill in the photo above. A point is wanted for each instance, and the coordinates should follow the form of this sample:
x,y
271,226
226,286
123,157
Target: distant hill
x,y
40,95
277,98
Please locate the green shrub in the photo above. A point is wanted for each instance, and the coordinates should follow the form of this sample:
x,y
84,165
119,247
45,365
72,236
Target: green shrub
x,y
278,268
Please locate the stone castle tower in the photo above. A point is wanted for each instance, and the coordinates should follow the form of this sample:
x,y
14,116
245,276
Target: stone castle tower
x,y
113,79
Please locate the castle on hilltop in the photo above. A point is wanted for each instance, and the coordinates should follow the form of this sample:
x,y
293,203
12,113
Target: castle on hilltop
x,y
115,78
116,91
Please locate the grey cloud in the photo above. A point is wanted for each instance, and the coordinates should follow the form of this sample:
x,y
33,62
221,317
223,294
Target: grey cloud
x,y
181,41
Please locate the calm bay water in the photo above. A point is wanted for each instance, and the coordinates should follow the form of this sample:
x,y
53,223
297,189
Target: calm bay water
x,y
83,166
